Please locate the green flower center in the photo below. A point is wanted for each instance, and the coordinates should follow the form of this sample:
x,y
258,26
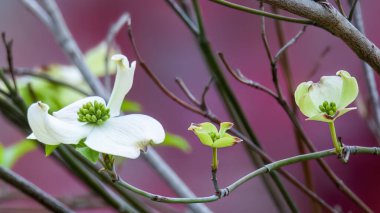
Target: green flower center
x,y
214,136
328,108
93,113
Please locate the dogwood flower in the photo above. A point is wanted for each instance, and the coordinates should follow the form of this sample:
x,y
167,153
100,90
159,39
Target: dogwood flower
x,y
210,136
327,100
98,123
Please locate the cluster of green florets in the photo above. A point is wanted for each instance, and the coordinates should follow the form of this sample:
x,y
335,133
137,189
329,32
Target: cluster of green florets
x,y
214,136
94,113
328,108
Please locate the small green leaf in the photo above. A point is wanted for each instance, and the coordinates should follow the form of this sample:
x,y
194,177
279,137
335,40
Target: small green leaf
x,y
177,142
50,149
14,152
130,106
88,153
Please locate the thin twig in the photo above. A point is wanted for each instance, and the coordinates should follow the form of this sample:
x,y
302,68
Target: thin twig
x,y
190,23
352,11
36,74
186,90
8,47
261,13
238,75
33,191
204,93
340,7
272,62
288,44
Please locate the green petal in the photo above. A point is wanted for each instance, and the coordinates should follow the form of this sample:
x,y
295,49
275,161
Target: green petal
x,y
205,126
224,126
204,137
350,89
343,111
307,106
226,141
301,90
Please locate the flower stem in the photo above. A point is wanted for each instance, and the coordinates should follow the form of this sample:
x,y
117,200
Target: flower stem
x,y
214,158
337,145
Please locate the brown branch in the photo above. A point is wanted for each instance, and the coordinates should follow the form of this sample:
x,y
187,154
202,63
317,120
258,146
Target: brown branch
x,y
338,25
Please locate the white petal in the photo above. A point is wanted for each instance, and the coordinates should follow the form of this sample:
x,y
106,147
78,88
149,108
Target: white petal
x,y
350,89
50,130
126,135
329,89
123,83
302,90
31,137
69,113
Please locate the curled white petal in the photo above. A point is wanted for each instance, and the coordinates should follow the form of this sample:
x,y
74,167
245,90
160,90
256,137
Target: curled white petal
x,y
69,113
51,130
123,83
126,135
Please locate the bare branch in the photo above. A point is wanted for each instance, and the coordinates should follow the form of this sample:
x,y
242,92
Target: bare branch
x,y
33,191
260,12
338,25
53,19
369,77
287,45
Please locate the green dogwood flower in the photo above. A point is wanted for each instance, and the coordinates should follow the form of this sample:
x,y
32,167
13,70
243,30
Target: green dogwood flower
x,y
210,136
327,100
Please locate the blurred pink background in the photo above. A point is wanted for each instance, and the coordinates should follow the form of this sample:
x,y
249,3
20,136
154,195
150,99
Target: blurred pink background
x,y
171,51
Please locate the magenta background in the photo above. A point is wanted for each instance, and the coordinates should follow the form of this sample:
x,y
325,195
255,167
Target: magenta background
x,y
171,51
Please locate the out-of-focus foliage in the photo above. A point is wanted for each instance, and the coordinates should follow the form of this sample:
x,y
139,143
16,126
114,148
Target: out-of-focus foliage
x,y
177,142
11,154
56,96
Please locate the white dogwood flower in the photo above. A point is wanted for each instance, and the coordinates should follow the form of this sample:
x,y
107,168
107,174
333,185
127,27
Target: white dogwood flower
x,y
327,100
97,122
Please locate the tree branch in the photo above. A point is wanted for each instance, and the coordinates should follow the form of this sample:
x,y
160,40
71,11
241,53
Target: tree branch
x,y
332,21
33,191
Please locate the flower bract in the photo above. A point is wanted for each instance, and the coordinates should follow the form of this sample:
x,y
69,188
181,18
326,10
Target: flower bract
x,y
328,99
210,136
98,123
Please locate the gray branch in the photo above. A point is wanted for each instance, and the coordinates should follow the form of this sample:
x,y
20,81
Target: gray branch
x,y
33,191
331,20
52,18
369,77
